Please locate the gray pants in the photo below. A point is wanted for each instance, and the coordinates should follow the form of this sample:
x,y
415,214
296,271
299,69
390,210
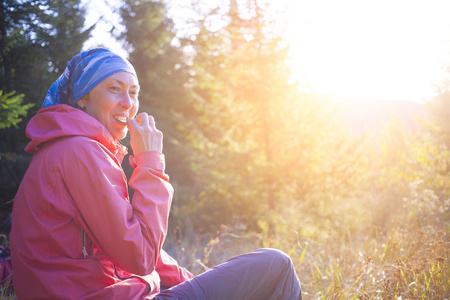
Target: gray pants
x,y
261,274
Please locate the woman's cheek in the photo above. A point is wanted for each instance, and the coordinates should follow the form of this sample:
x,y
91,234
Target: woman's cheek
x,y
136,108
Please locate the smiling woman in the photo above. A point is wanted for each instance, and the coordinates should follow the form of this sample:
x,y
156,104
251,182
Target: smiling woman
x,y
77,234
74,193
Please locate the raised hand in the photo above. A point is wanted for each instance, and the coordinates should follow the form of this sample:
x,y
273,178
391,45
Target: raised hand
x,y
144,136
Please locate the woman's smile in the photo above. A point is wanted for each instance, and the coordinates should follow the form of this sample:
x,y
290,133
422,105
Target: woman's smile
x,y
121,119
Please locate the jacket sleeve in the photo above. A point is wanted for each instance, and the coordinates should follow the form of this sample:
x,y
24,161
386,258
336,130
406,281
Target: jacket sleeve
x,y
129,234
170,272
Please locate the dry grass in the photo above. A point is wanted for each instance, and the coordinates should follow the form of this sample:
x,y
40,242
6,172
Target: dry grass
x,y
6,292
390,241
390,263
406,256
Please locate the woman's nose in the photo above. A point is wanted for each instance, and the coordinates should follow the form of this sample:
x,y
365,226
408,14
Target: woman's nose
x,y
126,101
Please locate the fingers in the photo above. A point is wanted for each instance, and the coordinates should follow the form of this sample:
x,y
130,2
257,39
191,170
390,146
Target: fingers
x,y
142,119
151,122
132,123
144,134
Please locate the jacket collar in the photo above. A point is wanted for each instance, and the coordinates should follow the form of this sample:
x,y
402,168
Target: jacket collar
x,y
63,120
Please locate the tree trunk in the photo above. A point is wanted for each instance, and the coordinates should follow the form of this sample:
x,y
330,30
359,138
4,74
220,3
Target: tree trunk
x,y
5,53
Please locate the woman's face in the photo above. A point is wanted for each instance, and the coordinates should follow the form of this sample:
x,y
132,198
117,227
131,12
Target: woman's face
x,y
113,101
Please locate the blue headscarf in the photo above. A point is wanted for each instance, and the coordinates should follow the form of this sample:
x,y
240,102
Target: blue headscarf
x,y
84,72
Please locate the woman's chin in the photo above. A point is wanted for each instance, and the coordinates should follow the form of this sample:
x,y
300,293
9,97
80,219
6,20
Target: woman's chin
x,y
120,135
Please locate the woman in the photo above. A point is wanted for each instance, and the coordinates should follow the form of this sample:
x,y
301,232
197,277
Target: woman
x,y
77,235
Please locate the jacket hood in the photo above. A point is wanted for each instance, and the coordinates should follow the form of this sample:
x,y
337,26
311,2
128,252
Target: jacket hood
x,y
61,121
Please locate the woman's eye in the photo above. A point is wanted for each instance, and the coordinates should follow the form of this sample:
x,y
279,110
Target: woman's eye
x,y
114,89
134,94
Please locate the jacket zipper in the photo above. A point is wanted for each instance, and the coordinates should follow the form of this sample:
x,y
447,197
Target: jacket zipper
x,y
85,254
83,241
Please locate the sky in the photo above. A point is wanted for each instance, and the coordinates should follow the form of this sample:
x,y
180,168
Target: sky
x,y
359,49
390,49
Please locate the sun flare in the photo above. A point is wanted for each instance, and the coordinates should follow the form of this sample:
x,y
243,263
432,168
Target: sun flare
x,y
369,49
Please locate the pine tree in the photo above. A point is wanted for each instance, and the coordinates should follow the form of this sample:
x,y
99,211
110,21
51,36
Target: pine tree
x,y
261,147
238,70
149,34
38,38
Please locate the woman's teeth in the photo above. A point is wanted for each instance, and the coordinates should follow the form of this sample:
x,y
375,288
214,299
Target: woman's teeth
x,y
121,119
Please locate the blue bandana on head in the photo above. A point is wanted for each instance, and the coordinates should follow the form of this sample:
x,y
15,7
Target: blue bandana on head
x,y
84,72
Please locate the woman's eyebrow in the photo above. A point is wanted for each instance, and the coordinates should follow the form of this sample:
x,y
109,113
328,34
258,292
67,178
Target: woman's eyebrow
x,y
123,83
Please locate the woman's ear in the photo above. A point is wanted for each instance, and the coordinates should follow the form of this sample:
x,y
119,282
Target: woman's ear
x,y
82,103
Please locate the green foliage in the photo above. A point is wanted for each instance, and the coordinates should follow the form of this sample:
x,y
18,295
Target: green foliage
x,y
65,34
12,109
258,146
149,34
400,253
38,38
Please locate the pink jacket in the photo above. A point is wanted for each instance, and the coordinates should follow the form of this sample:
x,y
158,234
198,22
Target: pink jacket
x,y
75,185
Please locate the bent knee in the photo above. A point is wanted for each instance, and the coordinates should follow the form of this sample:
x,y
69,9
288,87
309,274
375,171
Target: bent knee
x,y
275,256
